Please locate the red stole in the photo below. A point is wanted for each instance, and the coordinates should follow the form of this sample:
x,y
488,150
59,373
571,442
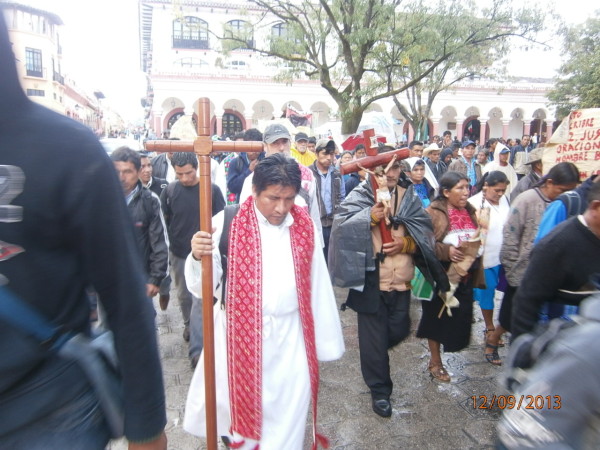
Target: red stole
x,y
244,315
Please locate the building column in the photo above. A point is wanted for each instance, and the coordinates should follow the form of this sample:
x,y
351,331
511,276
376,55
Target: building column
x,y
549,126
527,127
219,121
459,129
436,126
482,129
505,124
249,122
158,125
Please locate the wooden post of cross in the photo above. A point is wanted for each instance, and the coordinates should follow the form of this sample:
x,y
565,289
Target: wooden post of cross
x,y
372,160
203,146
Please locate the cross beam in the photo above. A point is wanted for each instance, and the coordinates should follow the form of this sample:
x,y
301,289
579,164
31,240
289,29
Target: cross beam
x,y
372,160
203,146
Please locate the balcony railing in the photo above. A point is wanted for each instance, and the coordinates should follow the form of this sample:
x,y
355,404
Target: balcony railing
x,y
59,78
35,73
190,43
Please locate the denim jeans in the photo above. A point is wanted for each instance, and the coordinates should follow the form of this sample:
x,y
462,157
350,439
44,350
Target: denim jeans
x,y
191,306
77,425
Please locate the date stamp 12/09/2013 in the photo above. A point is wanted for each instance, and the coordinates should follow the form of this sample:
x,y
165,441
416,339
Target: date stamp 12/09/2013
x,y
516,401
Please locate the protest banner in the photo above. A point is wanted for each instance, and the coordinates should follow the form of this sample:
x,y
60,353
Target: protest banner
x,y
576,140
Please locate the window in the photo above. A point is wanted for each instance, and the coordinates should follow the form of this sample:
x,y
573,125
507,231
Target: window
x,y
33,62
240,29
279,30
236,65
190,62
36,93
231,124
190,32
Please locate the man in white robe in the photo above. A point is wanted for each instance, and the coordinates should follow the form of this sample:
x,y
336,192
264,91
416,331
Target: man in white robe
x,y
286,369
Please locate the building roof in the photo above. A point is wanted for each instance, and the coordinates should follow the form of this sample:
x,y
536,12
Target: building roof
x,y
54,18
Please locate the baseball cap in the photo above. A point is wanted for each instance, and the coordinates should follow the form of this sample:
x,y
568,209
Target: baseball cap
x,y
501,149
276,131
325,144
301,137
467,143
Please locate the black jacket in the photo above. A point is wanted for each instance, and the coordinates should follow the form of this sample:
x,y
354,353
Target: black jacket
x,y
65,227
151,233
351,259
157,185
336,196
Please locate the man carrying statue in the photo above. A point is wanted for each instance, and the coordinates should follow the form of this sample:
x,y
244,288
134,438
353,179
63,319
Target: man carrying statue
x,y
378,268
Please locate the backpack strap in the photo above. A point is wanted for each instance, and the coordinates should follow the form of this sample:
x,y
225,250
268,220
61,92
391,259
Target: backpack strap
x,y
572,202
230,211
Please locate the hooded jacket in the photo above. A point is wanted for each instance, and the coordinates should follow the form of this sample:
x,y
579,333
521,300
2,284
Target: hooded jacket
x,y
351,259
65,227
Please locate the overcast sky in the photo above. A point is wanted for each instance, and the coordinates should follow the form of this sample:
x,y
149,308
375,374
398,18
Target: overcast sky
x,y
100,43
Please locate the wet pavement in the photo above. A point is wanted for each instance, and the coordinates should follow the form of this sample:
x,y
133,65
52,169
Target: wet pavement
x,y
426,414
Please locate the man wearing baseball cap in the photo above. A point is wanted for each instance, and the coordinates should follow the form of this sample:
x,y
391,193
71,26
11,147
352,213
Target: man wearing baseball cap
x,y
466,163
277,139
329,184
501,164
300,150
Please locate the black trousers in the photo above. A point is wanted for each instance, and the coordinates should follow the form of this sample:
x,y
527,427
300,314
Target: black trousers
x,y
379,332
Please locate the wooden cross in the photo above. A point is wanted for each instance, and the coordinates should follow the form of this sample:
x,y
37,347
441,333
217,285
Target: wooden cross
x,y
203,146
372,160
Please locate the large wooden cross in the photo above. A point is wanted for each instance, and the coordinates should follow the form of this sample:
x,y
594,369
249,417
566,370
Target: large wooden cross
x,y
203,146
372,160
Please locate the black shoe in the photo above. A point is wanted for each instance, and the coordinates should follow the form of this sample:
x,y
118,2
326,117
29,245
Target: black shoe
x,y
382,407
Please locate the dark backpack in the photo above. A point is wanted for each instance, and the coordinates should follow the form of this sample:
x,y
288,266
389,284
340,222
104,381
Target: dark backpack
x,y
527,349
573,203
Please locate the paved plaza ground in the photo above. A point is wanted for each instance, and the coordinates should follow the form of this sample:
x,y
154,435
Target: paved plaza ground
x,y
426,414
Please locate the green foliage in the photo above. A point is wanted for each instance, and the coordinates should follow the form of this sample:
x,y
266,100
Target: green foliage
x,y
578,83
365,50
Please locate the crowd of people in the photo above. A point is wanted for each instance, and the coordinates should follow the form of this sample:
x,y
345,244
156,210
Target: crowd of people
x,y
482,214
467,222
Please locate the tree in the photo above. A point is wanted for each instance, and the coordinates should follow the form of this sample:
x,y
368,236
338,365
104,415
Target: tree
x,y
578,83
365,50
498,28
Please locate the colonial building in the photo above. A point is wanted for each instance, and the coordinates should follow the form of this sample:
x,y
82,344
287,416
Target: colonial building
x,y
184,60
35,37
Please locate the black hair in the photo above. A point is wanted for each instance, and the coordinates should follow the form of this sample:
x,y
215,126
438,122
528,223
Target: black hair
x,y
358,147
279,170
125,154
492,179
594,192
384,148
237,136
345,152
413,143
561,174
312,140
491,142
448,181
252,134
181,159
